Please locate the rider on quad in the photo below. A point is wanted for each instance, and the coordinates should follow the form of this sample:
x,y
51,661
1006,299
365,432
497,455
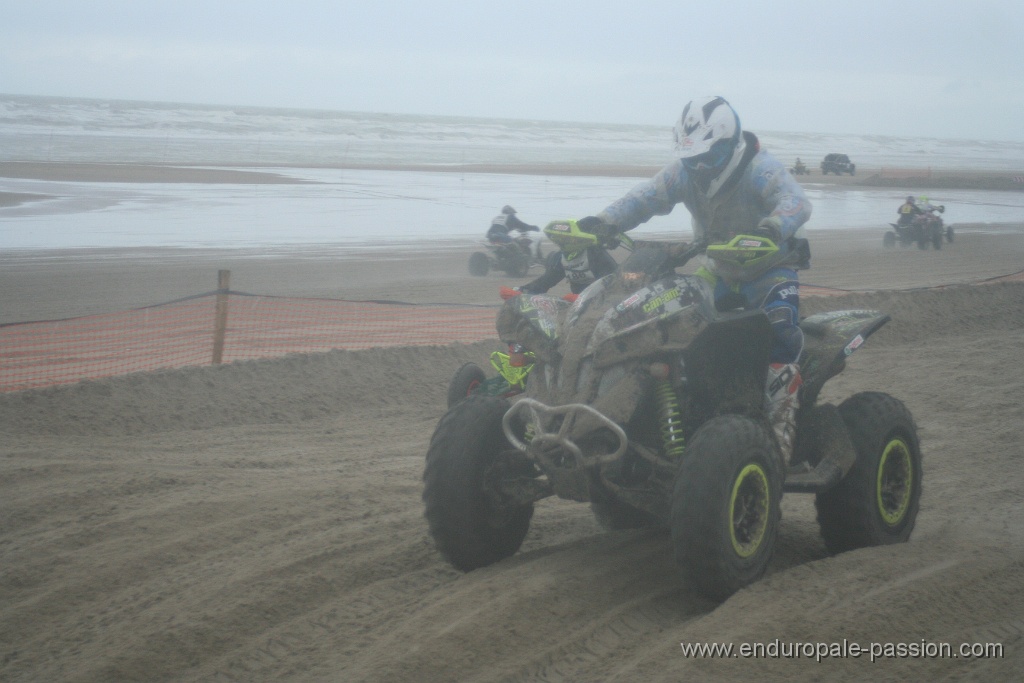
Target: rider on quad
x,y
581,259
907,211
750,211
504,223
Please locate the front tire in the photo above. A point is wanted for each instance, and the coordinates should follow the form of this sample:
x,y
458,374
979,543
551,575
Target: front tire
x,y
473,524
877,501
949,234
466,380
725,505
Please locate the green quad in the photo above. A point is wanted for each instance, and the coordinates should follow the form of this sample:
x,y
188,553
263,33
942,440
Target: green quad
x,y
647,402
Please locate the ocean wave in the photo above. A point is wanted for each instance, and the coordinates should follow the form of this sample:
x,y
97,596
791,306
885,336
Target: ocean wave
x,y
66,129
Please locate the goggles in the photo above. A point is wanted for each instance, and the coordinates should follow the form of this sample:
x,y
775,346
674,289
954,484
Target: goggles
x,y
714,159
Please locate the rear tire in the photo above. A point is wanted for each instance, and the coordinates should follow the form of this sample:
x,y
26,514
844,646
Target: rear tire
x,y
466,380
937,240
725,505
479,264
518,265
949,234
472,523
877,501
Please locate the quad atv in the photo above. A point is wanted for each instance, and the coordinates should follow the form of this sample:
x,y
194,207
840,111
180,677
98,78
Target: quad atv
x,y
513,258
925,229
649,403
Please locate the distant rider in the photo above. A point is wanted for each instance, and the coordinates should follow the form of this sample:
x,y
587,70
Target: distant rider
x,y
581,259
731,187
504,223
908,211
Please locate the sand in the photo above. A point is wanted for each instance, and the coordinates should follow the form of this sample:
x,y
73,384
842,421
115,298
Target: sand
x,y
262,521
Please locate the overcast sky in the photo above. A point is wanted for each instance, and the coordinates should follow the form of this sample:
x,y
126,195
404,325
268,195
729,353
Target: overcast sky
x,y
934,68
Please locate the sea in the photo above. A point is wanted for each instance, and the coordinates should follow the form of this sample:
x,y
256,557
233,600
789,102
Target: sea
x,y
434,205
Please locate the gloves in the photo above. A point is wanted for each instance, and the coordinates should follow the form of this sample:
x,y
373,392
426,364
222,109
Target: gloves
x,y
770,228
595,226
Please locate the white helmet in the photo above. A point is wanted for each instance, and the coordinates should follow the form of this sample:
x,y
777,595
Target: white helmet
x,y
709,140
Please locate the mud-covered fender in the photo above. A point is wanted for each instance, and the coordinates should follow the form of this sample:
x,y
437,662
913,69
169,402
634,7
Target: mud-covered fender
x,y
829,339
532,320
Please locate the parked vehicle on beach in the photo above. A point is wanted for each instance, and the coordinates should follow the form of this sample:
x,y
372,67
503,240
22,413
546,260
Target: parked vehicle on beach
x,y
838,164
648,403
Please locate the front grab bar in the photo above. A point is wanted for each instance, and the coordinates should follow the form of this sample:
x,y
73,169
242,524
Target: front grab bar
x,y
537,409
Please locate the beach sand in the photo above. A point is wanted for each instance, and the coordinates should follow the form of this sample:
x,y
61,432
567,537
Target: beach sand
x,y
262,521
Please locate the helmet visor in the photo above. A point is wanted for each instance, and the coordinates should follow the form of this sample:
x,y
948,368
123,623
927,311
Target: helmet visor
x,y
713,161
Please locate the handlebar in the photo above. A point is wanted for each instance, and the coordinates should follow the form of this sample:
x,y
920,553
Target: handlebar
x,y
693,250
655,258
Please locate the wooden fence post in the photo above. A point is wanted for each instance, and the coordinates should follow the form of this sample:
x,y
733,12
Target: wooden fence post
x,y
220,323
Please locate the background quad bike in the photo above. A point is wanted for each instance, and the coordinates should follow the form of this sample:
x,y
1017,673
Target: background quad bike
x,y
907,235
513,258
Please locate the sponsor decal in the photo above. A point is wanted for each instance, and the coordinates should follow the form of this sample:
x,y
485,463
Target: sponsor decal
x,y
751,243
661,300
544,304
854,344
630,302
788,205
783,380
787,292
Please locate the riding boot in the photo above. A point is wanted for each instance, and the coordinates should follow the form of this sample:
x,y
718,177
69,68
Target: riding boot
x,y
783,394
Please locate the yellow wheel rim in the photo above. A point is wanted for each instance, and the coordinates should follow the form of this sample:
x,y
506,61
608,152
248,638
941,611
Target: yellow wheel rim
x,y
748,510
894,483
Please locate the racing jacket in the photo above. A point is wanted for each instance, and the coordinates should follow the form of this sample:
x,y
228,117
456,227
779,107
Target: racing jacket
x,y
502,224
581,269
759,188
907,212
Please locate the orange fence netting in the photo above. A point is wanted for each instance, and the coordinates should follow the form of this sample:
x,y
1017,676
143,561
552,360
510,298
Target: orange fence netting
x,y
181,333
184,332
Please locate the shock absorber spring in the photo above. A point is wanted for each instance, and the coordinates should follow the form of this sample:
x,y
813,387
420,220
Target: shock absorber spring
x,y
671,420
